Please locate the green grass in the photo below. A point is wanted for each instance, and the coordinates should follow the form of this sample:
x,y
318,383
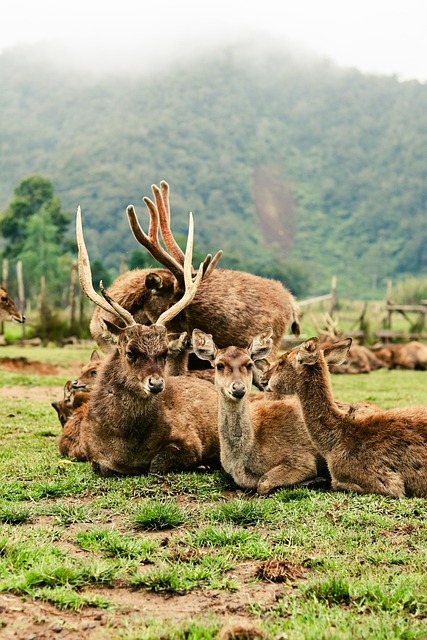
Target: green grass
x,y
77,540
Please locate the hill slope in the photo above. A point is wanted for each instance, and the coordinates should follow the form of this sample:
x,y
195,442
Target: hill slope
x,y
277,159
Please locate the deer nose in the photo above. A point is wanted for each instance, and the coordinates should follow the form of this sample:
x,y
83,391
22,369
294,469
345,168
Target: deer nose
x,y
238,389
155,385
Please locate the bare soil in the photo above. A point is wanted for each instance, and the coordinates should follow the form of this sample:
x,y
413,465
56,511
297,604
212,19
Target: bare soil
x,y
27,619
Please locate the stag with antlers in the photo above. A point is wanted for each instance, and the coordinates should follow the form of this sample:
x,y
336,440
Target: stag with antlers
x,y
138,419
231,305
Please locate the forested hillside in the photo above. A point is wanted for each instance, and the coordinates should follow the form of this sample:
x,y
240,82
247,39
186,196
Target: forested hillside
x,y
294,169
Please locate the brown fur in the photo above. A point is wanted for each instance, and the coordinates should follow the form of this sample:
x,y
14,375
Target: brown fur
x,y
360,359
410,355
382,452
264,445
139,419
224,306
8,309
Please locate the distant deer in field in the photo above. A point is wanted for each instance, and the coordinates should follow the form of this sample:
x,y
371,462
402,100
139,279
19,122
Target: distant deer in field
x,y
231,305
8,309
408,355
138,419
382,452
264,445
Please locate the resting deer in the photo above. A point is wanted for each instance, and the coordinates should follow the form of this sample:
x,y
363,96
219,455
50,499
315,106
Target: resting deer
x,y
76,392
231,305
8,309
264,445
138,419
409,355
383,452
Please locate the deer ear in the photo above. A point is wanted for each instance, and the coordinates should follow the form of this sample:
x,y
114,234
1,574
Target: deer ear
x,y
309,351
94,356
153,281
261,345
178,342
203,345
338,352
113,329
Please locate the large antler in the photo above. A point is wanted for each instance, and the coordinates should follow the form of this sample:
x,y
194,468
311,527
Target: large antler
x,y
173,258
191,285
85,277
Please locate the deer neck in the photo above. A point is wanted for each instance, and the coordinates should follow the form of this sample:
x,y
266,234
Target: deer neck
x,y
321,416
235,427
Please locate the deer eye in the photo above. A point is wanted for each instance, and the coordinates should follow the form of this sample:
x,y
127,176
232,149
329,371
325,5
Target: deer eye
x,y
220,366
3,299
131,356
249,366
93,374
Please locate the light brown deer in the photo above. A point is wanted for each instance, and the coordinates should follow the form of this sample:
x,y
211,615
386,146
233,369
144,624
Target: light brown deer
x,y
138,419
408,355
76,392
231,305
383,452
264,445
8,309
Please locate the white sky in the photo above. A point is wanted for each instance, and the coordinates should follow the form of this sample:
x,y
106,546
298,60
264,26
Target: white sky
x,y
378,36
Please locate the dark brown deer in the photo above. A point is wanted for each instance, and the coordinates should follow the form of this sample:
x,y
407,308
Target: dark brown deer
x,y
264,445
8,309
383,452
231,305
138,419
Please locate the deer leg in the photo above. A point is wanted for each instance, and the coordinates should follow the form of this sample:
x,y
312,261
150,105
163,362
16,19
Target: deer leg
x,y
175,456
284,475
375,485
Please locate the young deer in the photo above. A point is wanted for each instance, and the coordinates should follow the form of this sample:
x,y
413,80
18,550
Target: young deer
x,y
224,305
8,309
76,392
138,419
383,452
264,445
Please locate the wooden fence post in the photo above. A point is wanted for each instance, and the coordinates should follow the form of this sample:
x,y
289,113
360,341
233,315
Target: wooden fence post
x,y
21,293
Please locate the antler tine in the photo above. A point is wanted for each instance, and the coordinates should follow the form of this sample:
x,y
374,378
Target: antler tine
x,y
124,314
163,207
210,263
191,286
151,242
85,276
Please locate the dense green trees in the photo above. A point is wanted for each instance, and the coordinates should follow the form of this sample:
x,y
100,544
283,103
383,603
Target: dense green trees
x,y
297,171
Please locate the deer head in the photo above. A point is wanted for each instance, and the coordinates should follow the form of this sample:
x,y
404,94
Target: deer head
x,y
284,374
233,365
8,309
140,350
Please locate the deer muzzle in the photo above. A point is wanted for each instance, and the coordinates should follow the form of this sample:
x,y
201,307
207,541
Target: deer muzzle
x,y
155,384
238,390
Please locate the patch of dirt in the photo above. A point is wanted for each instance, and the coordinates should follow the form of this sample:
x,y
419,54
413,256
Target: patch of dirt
x,y
18,392
30,366
28,619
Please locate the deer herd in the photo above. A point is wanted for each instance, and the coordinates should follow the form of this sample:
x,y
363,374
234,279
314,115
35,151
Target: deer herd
x,y
141,407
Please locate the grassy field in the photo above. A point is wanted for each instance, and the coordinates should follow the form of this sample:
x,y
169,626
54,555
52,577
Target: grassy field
x,y
189,555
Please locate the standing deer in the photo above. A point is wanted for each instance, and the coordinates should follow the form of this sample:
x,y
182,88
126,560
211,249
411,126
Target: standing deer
x,y
8,309
231,305
138,419
264,445
383,452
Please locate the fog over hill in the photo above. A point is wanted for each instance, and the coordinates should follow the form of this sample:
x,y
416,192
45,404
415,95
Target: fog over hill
x,y
283,159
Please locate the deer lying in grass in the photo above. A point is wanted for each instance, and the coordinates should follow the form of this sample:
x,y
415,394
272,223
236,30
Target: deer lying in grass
x,y
224,305
383,452
8,309
137,418
264,445
409,355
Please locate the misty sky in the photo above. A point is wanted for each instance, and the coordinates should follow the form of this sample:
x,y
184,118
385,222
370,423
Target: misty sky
x,y
378,36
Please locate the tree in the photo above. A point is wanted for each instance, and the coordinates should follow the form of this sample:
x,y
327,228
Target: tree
x,y
31,195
